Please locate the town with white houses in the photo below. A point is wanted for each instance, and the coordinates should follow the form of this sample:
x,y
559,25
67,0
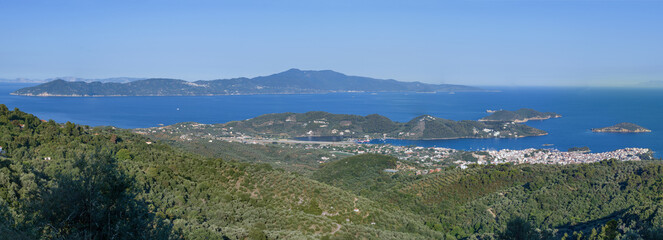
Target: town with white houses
x,y
421,160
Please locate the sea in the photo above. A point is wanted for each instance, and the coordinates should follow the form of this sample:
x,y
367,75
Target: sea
x,y
581,109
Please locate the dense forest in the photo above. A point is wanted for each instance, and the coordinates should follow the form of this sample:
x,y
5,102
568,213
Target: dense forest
x,y
68,181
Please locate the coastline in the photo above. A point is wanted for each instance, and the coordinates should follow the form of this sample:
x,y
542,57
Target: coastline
x,y
434,139
624,127
231,94
522,120
598,130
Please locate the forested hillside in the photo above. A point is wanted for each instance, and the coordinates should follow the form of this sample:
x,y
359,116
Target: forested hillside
x,y
299,160
70,181
67,181
585,201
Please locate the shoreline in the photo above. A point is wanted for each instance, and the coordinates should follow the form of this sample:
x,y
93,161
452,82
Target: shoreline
x,y
620,131
522,120
232,94
422,139
287,141
434,139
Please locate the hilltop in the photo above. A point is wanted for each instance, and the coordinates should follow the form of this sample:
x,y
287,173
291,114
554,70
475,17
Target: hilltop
x,y
520,115
622,128
293,81
360,172
324,124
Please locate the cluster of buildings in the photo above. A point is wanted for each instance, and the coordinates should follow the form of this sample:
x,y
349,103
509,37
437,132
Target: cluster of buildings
x,y
430,160
554,156
421,155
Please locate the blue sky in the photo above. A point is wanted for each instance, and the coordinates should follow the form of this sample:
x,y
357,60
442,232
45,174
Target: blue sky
x,y
481,42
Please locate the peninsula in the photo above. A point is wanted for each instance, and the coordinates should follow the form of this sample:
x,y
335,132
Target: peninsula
x,y
343,126
622,128
293,81
519,116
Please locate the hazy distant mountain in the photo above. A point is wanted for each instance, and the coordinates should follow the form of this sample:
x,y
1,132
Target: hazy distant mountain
x,y
293,81
650,84
70,79
89,80
21,80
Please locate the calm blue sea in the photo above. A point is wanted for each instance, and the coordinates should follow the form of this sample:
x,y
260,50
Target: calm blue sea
x,y
582,109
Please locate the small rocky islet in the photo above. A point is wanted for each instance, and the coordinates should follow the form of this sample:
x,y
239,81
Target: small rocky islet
x,y
624,127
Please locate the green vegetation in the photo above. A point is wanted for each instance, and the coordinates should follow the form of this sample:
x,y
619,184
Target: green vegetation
x,y
362,174
63,180
588,201
428,127
520,115
288,82
556,200
67,181
278,156
579,149
291,125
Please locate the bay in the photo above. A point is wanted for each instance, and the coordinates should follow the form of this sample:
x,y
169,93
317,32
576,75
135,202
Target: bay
x,y
581,108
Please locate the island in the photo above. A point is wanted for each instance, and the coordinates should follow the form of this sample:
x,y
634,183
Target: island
x,y
624,127
579,149
518,116
293,81
323,125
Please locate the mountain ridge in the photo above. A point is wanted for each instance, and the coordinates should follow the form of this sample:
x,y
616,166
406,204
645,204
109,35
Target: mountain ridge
x,y
373,126
293,81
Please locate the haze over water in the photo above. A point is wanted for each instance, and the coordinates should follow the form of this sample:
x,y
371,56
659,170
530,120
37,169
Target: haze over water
x,y
581,108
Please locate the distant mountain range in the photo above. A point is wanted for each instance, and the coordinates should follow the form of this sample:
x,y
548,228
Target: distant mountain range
x,y
103,80
21,80
71,79
293,81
